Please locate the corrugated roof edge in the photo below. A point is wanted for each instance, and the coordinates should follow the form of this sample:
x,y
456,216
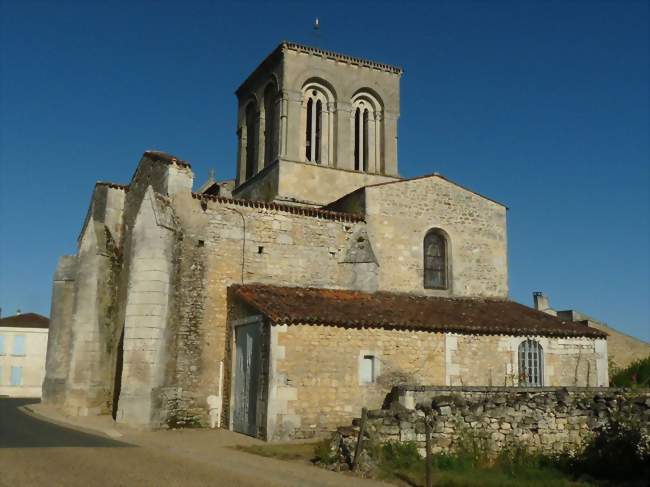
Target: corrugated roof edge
x,y
297,210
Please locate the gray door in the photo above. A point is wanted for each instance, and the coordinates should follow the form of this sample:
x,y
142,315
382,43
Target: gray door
x,y
247,378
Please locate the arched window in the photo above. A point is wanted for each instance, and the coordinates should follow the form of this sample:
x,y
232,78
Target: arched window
x,y
531,364
435,260
366,124
318,123
251,139
270,124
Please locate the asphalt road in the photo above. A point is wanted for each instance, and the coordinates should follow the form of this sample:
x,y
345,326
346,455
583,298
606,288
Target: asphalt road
x,y
19,430
36,453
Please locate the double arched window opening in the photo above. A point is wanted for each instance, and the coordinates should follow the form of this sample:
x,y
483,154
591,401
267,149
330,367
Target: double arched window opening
x,y
366,127
531,364
319,124
436,266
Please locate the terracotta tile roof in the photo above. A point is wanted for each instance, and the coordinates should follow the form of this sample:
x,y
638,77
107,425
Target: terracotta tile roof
x,y
295,209
25,320
287,305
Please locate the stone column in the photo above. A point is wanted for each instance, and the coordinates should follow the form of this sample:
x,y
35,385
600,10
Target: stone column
x,y
344,136
295,134
390,144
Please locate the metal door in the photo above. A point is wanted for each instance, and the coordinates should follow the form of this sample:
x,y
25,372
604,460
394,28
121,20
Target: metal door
x,y
247,378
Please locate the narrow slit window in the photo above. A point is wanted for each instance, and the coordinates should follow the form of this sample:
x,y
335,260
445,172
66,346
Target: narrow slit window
x,y
310,108
319,116
357,158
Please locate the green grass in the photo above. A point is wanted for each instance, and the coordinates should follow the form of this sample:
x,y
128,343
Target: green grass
x,y
637,374
512,468
283,451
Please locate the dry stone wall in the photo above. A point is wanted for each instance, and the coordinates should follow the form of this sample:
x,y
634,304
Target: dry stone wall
x,y
542,419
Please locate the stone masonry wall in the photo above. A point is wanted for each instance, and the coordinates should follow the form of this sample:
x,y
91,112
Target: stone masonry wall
x,y
400,214
315,384
228,243
480,360
542,419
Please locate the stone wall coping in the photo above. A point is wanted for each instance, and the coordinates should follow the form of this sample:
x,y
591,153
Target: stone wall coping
x,y
496,389
123,187
296,210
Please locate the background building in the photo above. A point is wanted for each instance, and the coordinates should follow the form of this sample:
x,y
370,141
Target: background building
x,y
23,343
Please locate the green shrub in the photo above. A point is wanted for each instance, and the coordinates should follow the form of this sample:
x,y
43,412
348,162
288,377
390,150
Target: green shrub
x,y
618,452
323,453
637,374
400,456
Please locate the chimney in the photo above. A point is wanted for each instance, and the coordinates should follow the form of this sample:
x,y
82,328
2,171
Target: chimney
x,y
17,311
542,304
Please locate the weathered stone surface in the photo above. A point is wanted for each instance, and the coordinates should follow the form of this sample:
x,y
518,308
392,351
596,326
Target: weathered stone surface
x,y
553,429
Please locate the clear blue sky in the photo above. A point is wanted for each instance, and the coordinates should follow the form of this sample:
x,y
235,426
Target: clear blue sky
x,y
541,105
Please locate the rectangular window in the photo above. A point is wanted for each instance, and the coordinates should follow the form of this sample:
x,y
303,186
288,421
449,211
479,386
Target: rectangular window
x,y
367,373
16,376
2,345
19,345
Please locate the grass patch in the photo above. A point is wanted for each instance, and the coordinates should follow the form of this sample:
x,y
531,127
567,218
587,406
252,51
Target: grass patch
x,y
469,467
283,451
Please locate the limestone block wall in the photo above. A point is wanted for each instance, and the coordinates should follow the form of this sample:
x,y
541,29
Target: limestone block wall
x,y
321,185
305,183
344,79
400,214
315,384
479,360
224,243
542,419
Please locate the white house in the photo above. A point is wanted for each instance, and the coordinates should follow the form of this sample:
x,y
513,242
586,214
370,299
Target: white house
x,y
23,343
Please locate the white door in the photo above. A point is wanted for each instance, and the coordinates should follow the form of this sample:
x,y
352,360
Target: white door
x,y
247,378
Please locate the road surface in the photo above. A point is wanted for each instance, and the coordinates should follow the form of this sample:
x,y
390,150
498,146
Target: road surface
x,y
36,453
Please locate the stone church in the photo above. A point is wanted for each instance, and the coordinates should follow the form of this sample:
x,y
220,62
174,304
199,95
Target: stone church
x,y
283,302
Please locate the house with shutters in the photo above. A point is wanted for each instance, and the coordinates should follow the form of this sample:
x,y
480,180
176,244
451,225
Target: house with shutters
x,y
288,299
23,343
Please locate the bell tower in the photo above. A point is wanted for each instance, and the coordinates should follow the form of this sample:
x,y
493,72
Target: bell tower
x,y
313,125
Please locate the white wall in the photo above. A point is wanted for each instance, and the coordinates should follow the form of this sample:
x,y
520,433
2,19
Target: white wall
x,y
32,362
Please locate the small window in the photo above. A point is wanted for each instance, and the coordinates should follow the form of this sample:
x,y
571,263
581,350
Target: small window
x,y
19,345
2,345
16,376
368,371
531,364
435,260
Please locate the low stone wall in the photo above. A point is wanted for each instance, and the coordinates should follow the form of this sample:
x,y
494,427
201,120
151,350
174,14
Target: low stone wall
x,y
543,419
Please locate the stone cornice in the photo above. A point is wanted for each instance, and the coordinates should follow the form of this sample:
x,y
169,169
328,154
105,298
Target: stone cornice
x,y
341,57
